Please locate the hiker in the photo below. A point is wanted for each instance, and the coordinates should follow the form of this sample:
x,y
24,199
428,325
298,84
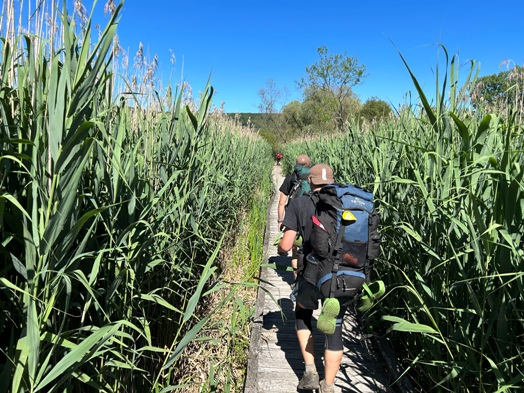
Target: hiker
x,y
279,157
294,185
298,219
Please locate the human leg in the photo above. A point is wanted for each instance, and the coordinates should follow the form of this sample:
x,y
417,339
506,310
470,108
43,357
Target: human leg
x,y
305,334
294,257
334,349
332,360
306,302
310,379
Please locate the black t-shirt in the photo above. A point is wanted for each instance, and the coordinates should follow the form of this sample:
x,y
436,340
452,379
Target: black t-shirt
x,y
287,185
298,218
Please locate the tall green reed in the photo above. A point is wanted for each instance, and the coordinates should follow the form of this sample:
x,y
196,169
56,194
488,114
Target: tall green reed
x,y
112,218
448,183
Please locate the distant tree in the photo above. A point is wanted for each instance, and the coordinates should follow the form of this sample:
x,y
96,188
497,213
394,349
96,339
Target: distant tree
x,y
271,97
292,116
314,114
498,88
317,111
375,109
334,75
271,138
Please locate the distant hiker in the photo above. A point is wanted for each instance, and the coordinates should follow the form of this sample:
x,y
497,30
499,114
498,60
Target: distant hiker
x,y
293,186
279,157
306,216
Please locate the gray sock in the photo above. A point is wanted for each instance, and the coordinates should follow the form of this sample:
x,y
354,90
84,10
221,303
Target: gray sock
x,y
311,367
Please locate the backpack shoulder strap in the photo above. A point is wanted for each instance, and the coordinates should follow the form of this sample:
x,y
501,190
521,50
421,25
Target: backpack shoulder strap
x,y
329,195
336,260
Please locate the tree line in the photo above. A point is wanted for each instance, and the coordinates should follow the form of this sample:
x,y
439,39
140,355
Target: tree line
x,y
330,105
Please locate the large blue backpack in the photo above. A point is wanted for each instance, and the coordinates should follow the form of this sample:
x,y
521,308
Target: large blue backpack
x,y
344,237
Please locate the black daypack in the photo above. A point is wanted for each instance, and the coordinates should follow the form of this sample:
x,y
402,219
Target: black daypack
x,y
299,184
344,238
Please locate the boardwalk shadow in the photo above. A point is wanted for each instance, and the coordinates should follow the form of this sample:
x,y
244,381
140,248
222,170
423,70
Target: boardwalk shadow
x,y
362,361
282,263
283,324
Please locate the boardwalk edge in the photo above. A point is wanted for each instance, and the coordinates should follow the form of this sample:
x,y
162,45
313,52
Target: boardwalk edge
x,y
251,383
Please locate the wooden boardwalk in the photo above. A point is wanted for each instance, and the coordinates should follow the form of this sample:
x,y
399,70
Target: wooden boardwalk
x,y
275,363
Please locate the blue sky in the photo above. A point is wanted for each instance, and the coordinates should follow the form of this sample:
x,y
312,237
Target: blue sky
x,y
242,44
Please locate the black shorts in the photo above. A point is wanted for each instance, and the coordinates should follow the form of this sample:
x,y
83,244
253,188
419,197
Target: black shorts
x,y
308,295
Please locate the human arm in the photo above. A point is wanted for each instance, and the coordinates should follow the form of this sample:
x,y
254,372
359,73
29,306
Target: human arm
x,y
281,209
291,227
286,243
284,189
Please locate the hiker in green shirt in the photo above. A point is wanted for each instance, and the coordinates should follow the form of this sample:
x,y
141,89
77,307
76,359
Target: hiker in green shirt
x,y
292,187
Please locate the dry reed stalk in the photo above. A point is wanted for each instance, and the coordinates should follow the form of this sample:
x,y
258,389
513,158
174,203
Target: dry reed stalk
x,y
224,124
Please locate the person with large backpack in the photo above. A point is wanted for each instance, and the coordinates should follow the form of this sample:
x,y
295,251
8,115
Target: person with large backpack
x,y
338,225
298,220
293,186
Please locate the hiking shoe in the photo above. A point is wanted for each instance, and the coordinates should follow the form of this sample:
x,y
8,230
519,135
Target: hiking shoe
x,y
327,320
372,292
325,388
309,381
